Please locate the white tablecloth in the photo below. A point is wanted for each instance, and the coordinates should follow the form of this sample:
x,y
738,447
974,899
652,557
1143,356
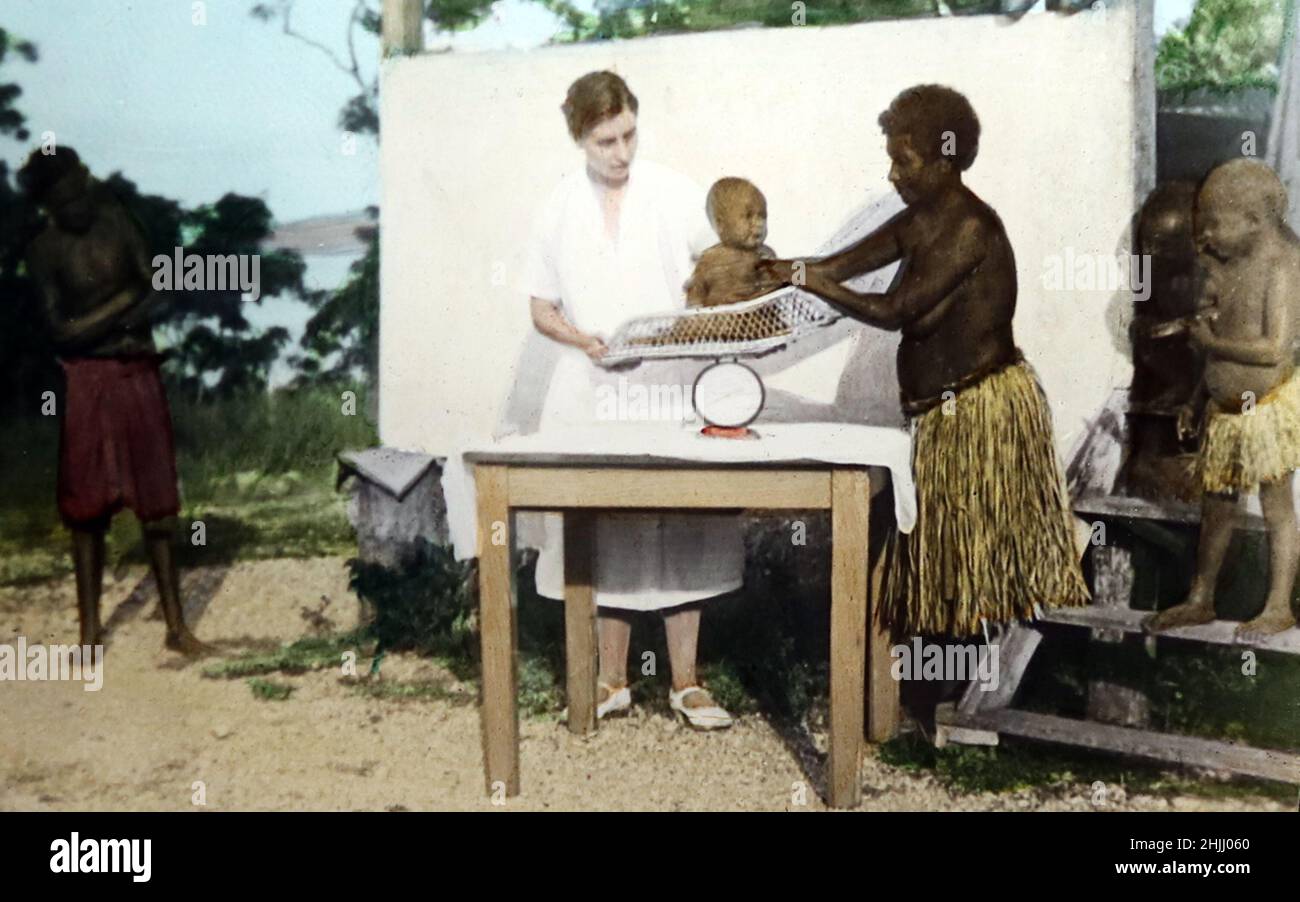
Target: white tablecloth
x,y
778,443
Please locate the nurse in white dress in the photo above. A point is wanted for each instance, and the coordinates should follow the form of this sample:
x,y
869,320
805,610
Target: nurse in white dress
x,y
615,239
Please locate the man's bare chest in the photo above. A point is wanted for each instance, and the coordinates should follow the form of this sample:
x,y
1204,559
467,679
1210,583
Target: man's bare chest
x,y
91,263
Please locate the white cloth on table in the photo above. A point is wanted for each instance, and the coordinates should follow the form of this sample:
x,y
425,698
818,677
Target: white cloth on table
x,y
645,562
847,444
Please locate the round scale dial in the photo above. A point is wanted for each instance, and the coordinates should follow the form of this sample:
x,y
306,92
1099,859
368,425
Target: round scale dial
x,y
728,394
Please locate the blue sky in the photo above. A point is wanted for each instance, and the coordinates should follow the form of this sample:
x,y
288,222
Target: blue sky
x,y
192,111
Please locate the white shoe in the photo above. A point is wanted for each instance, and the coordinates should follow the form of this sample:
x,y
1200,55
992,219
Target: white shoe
x,y
711,717
618,700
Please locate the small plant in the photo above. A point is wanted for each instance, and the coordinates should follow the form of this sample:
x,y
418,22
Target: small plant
x,y
422,690
313,653
539,690
269,690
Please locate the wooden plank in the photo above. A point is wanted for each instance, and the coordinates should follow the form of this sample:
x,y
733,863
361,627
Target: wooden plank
x,y
883,706
580,619
1113,576
947,730
500,712
1185,750
850,510
1144,509
1016,649
622,457
1098,456
1218,632
553,488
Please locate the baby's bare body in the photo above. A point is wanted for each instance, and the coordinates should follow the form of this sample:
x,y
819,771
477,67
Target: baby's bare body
x,y
1252,296
726,275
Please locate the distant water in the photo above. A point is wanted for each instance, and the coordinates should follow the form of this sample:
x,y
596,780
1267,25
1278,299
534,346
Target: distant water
x,y
328,272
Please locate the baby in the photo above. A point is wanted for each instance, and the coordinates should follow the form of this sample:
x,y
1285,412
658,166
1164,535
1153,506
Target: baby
x,y
725,273
1251,440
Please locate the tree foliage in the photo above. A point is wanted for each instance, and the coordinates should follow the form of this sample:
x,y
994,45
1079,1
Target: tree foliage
x,y
1226,44
12,122
341,340
213,349
638,18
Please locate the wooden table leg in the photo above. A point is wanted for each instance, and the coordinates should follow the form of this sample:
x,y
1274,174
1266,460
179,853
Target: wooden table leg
x,y
497,631
850,509
882,688
580,619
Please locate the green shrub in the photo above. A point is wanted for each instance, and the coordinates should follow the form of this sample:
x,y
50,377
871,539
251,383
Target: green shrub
x,y
427,607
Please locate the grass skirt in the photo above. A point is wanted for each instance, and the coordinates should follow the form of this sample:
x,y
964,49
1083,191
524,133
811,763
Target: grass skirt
x,y
994,533
1243,449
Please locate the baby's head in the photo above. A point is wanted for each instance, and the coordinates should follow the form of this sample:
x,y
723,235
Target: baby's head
x,y
1239,202
738,212
1165,223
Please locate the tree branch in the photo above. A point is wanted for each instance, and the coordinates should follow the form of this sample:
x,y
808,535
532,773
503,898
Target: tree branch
x,y
350,67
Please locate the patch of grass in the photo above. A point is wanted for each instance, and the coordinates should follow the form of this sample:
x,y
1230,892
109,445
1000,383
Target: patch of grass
x,y
420,690
540,692
258,470
222,443
312,653
269,690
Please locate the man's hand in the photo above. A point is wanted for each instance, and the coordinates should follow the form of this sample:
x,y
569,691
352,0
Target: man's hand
x,y
769,275
1200,331
1186,424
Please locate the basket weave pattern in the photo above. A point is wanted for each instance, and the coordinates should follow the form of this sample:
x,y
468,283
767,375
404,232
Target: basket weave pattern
x,y
734,330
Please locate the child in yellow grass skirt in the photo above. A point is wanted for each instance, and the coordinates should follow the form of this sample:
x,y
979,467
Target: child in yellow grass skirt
x,y
1251,438
1246,446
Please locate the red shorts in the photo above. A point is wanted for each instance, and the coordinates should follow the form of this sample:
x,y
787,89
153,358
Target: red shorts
x,y
116,447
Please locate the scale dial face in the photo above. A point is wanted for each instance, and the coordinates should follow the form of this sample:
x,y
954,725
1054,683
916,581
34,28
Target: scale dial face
x,y
728,394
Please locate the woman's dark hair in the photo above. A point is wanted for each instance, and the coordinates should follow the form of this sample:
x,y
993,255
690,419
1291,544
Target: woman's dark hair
x,y
43,171
594,98
927,114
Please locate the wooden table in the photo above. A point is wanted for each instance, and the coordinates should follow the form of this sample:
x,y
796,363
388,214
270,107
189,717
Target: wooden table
x,y
580,484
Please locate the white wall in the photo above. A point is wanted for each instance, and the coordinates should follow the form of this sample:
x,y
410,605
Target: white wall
x,y
472,142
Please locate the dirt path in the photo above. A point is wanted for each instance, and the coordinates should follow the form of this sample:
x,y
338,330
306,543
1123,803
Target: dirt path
x,y
157,727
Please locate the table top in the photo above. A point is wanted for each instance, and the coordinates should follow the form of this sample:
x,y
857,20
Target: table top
x,y
682,445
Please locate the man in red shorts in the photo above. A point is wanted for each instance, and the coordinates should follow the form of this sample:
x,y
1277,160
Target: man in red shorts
x,y
116,448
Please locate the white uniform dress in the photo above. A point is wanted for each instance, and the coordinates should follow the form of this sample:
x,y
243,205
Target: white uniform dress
x,y
643,562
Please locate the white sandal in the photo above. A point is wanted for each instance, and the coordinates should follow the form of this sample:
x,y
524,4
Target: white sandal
x,y
618,700
712,717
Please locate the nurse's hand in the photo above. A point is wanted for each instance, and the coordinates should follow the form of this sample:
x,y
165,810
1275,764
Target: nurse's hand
x,y
595,349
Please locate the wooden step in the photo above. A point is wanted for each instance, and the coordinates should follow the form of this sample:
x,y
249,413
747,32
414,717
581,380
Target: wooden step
x,y
1171,747
1171,511
1218,632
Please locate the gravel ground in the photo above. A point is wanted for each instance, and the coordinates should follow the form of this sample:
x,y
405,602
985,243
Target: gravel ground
x,y
158,727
